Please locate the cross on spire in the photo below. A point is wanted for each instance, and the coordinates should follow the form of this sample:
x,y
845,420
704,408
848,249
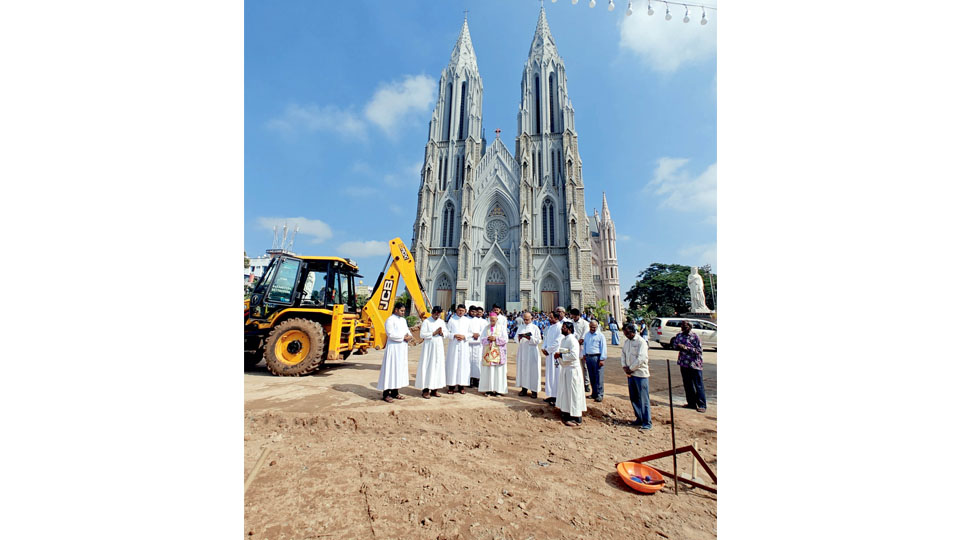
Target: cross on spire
x,y
497,131
468,11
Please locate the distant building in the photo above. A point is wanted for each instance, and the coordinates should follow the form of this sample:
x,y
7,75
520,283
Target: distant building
x,y
257,267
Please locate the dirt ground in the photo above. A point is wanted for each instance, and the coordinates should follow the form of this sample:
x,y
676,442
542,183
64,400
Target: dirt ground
x,y
341,463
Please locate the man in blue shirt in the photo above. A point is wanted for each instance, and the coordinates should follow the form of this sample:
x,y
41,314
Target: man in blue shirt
x,y
594,352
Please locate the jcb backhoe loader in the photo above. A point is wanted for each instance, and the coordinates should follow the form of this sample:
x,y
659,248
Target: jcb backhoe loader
x,y
303,311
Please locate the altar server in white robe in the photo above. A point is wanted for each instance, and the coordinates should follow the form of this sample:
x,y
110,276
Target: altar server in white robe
x,y
528,356
501,318
476,347
394,373
493,378
570,397
551,341
431,372
458,352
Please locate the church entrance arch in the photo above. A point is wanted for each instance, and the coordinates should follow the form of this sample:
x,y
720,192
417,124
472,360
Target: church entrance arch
x,y
549,294
496,289
444,296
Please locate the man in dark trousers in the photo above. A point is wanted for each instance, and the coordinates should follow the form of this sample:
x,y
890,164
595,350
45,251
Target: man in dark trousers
x,y
690,360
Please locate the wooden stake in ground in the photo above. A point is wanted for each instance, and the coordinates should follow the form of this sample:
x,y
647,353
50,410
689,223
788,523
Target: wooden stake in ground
x,y
256,468
673,434
693,460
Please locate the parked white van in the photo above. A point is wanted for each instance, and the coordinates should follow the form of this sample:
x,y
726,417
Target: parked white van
x,y
662,330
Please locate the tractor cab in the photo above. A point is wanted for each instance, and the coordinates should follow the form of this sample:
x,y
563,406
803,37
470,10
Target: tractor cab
x,y
304,283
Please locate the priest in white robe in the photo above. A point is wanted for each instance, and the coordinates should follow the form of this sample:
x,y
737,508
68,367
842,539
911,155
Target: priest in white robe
x,y
493,377
458,352
528,356
570,397
431,372
476,347
551,342
394,372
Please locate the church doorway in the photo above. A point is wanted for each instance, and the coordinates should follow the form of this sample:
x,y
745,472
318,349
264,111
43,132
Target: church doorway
x,y
444,296
496,290
549,295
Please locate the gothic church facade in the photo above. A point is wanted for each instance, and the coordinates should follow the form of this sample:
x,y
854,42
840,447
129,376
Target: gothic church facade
x,y
510,229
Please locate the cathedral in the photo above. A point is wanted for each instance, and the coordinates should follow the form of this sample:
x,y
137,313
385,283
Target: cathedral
x,y
510,229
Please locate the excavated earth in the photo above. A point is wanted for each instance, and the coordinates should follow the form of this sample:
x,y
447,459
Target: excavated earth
x,y
341,463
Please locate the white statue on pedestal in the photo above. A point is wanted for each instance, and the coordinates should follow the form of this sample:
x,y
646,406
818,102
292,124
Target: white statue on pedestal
x,y
698,302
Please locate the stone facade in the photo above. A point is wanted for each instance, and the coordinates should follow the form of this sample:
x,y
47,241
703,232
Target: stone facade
x,y
511,229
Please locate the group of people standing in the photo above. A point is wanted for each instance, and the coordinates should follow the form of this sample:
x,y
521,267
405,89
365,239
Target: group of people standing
x,y
468,350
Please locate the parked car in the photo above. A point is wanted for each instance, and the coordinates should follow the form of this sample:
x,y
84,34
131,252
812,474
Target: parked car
x,y
662,330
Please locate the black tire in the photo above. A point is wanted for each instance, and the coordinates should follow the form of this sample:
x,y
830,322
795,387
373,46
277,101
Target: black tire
x,y
251,359
294,348
664,345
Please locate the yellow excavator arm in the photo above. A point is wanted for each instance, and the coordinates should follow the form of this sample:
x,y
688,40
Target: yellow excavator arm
x,y
399,264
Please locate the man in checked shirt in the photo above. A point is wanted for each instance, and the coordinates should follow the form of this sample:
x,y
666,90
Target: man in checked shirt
x,y
690,360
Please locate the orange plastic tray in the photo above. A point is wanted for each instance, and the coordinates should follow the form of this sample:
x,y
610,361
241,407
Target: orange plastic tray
x,y
628,469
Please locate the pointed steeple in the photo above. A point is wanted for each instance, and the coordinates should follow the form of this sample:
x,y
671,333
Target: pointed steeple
x,y
543,43
605,211
463,50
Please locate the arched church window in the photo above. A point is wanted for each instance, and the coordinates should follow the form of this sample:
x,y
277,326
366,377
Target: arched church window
x,y
497,230
553,98
540,166
447,104
536,86
463,102
548,223
496,275
446,239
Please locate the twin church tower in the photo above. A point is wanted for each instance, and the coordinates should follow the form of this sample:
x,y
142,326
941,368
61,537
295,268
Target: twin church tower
x,y
495,228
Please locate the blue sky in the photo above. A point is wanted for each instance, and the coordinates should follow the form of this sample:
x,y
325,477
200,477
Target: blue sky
x,y
338,97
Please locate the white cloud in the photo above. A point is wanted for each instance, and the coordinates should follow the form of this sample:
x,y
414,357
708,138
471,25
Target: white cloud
x,y
313,229
362,167
624,238
395,100
699,255
397,209
311,118
361,249
667,45
684,192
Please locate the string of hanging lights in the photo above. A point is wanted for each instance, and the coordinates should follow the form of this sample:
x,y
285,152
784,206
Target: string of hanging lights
x,y
667,3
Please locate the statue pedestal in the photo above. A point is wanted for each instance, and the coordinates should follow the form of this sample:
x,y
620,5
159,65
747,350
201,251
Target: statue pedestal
x,y
707,316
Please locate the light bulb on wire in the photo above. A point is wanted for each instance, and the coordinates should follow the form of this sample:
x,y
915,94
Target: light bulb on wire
x,y
668,16
593,3
629,9
686,14
703,20
649,8
610,6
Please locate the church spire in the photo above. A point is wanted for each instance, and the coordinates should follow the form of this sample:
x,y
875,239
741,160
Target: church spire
x,y
543,43
463,50
605,212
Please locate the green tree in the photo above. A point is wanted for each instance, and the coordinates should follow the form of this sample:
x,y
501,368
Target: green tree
x,y
405,298
599,310
246,261
662,290
709,286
